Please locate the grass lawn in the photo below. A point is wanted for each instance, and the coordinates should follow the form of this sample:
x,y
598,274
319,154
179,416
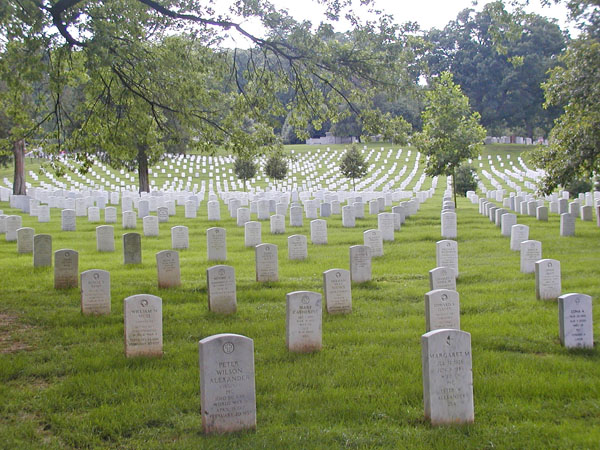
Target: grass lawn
x,y
65,382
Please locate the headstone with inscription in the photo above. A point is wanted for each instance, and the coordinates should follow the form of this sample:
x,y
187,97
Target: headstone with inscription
x,y
216,244
129,220
266,263
25,240
143,208
304,318
143,325
296,216
93,213
446,254
252,233
214,210
162,212
167,266
277,222
227,389
507,221
180,237
575,321
442,309
531,251
220,282
150,224
360,263
518,234
110,214
449,230
95,292
337,289
567,224
373,239
243,216
442,278
66,268
447,377
68,220
105,238
297,247
318,232
13,223
547,279
43,213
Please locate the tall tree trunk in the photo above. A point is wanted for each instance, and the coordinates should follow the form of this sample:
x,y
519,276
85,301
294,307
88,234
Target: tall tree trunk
x,y
142,159
19,187
454,188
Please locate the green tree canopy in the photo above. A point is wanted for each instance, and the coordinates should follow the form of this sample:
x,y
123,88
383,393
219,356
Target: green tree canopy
x,y
451,132
244,168
353,165
276,166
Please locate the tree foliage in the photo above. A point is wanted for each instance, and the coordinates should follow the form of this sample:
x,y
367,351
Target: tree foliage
x,y
451,132
500,59
244,168
353,165
295,69
465,179
276,166
574,150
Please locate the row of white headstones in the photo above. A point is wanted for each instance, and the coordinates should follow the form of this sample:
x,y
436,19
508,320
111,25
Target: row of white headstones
x,y
181,171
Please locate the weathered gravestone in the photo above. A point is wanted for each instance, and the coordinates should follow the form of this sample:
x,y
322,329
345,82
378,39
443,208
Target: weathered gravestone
x,y
220,282
446,255
447,377
372,238
93,214
143,325
449,230
318,232
567,224
162,212
43,213
266,262
150,224
442,278
66,268
110,214
304,317
167,266
337,289
214,210
180,239
95,292
506,222
575,321
518,234
227,390
252,234
296,216
531,251
13,223
297,247
25,240
385,224
42,250
216,244
360,263
105,238
129,220
348,220
243,216
547,279
442,310
277,222
132,248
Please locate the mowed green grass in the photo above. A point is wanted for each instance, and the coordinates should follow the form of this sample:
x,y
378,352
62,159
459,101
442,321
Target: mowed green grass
x,y
65,383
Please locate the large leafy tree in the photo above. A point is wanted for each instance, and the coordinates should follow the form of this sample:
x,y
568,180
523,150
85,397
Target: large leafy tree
x,y
574,150
451,132
500,60
314,68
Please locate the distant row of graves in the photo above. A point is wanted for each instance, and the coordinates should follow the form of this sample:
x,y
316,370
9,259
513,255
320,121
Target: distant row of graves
x,y
227,360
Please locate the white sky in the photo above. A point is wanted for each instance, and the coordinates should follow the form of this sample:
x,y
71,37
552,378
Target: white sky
x,y
427,13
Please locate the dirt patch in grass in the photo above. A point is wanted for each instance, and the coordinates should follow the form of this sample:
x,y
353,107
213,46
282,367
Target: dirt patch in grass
x,y
11,330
